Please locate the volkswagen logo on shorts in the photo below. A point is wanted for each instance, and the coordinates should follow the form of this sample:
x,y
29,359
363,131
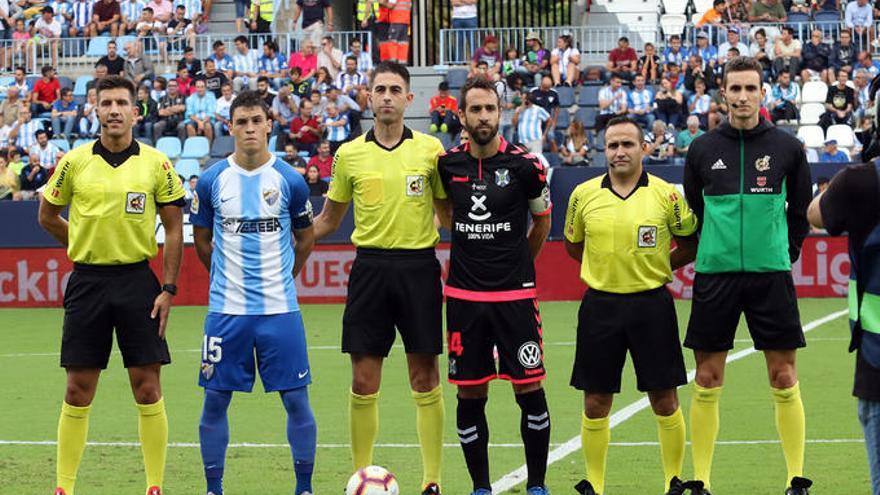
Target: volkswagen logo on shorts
x,y
529,355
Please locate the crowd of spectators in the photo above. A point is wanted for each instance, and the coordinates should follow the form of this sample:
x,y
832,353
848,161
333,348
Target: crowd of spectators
x,y
673,90
316,99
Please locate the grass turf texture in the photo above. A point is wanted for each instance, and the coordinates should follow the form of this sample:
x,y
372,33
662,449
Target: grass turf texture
x,y
34,385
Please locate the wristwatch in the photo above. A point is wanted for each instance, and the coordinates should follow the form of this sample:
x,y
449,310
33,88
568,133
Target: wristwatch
x,y
170,288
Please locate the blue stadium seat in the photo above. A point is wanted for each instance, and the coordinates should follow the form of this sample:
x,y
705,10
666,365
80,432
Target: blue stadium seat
x,y
61,144
196,147
80,142
222,146
797,18
79,89
98,46
599,160
273,142
456,78
65,82
169,76
170,146
589,96
145,140
586,116
6,80
825,16
600,141
187,167
564,119
566,96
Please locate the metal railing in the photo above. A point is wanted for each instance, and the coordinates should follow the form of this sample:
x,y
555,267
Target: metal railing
x,y
77,56
594,42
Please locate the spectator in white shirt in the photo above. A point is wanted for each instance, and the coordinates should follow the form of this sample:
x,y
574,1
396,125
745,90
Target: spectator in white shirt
x,y
44,152
221,115
859,17
48,31
329,56
733,40
564,61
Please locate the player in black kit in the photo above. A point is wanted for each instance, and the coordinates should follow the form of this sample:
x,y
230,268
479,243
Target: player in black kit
x,y
492,303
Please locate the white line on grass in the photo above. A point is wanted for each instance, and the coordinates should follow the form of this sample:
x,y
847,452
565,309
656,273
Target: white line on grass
x,y
520,474
248,445
336,347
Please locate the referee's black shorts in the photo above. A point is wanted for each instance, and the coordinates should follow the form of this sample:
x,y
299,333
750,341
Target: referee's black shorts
x,y
768,300
390,288
101,298
643,323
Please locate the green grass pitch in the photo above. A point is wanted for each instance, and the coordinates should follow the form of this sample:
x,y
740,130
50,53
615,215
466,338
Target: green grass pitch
x,y
747,461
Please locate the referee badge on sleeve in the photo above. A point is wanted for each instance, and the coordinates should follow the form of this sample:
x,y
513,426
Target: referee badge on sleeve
x,y
647,236
135,202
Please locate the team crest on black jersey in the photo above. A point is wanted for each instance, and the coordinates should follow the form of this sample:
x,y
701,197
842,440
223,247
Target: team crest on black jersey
x,y
502,177
270,196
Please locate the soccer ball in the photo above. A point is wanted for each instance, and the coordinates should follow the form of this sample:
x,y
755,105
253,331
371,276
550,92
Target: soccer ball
x,y
372,480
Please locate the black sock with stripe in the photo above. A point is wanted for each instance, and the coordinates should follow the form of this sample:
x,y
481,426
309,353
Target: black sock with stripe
x,y
473,434
535,430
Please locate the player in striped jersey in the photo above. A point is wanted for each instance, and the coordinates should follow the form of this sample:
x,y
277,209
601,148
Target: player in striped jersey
x,y
244,212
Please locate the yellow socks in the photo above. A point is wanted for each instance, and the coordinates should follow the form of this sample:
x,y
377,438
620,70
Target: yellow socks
x,y
153,432
429,424
704,430
670,429
73,428
595,436
790,424
364,424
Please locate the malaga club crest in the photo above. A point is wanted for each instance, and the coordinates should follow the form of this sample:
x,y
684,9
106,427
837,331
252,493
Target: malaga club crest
x,y
502,177
270,196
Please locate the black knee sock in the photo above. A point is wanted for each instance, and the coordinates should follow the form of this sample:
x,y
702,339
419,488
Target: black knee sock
x,y
473,433
535,430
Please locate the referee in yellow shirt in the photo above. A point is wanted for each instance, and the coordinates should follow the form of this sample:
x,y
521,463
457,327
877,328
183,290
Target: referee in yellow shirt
x,y
619,226
114,188
391,175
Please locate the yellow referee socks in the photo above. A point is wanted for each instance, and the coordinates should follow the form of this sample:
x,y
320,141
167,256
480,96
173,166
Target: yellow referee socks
x,y
704,430
429,424
595,436
73,428
670,429
364,425
153,433
790,424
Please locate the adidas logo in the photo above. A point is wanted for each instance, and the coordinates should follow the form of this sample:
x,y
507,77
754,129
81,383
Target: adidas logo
x,y
719,165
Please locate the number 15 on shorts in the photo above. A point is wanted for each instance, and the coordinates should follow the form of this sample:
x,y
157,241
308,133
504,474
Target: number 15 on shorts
x,y
212,352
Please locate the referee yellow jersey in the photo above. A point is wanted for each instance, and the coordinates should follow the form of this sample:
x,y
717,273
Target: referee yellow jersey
x,y
113,198
627,240
393,190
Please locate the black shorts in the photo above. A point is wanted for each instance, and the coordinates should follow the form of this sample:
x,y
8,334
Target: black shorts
x,y
101,298
397,32
390,288
476,329
768,300
643,323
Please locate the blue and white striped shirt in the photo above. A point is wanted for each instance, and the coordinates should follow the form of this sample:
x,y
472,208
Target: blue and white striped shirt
x,y
82,13
530,123
365,61
641,100
677,58
707,54
790,94
201,107
253,215
702,104
864,97
249,62
344,80
337,133
60,7
131,9
273,65
224,64
27,134
193,8
46,156
618,99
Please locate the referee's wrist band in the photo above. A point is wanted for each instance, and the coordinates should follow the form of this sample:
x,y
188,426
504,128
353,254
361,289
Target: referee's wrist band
x,y
170,288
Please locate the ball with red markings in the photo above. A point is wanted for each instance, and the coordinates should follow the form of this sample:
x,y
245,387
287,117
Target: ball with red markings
x,y
372,480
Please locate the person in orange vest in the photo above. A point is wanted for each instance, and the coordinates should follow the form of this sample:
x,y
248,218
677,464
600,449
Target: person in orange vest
x,y
394,38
